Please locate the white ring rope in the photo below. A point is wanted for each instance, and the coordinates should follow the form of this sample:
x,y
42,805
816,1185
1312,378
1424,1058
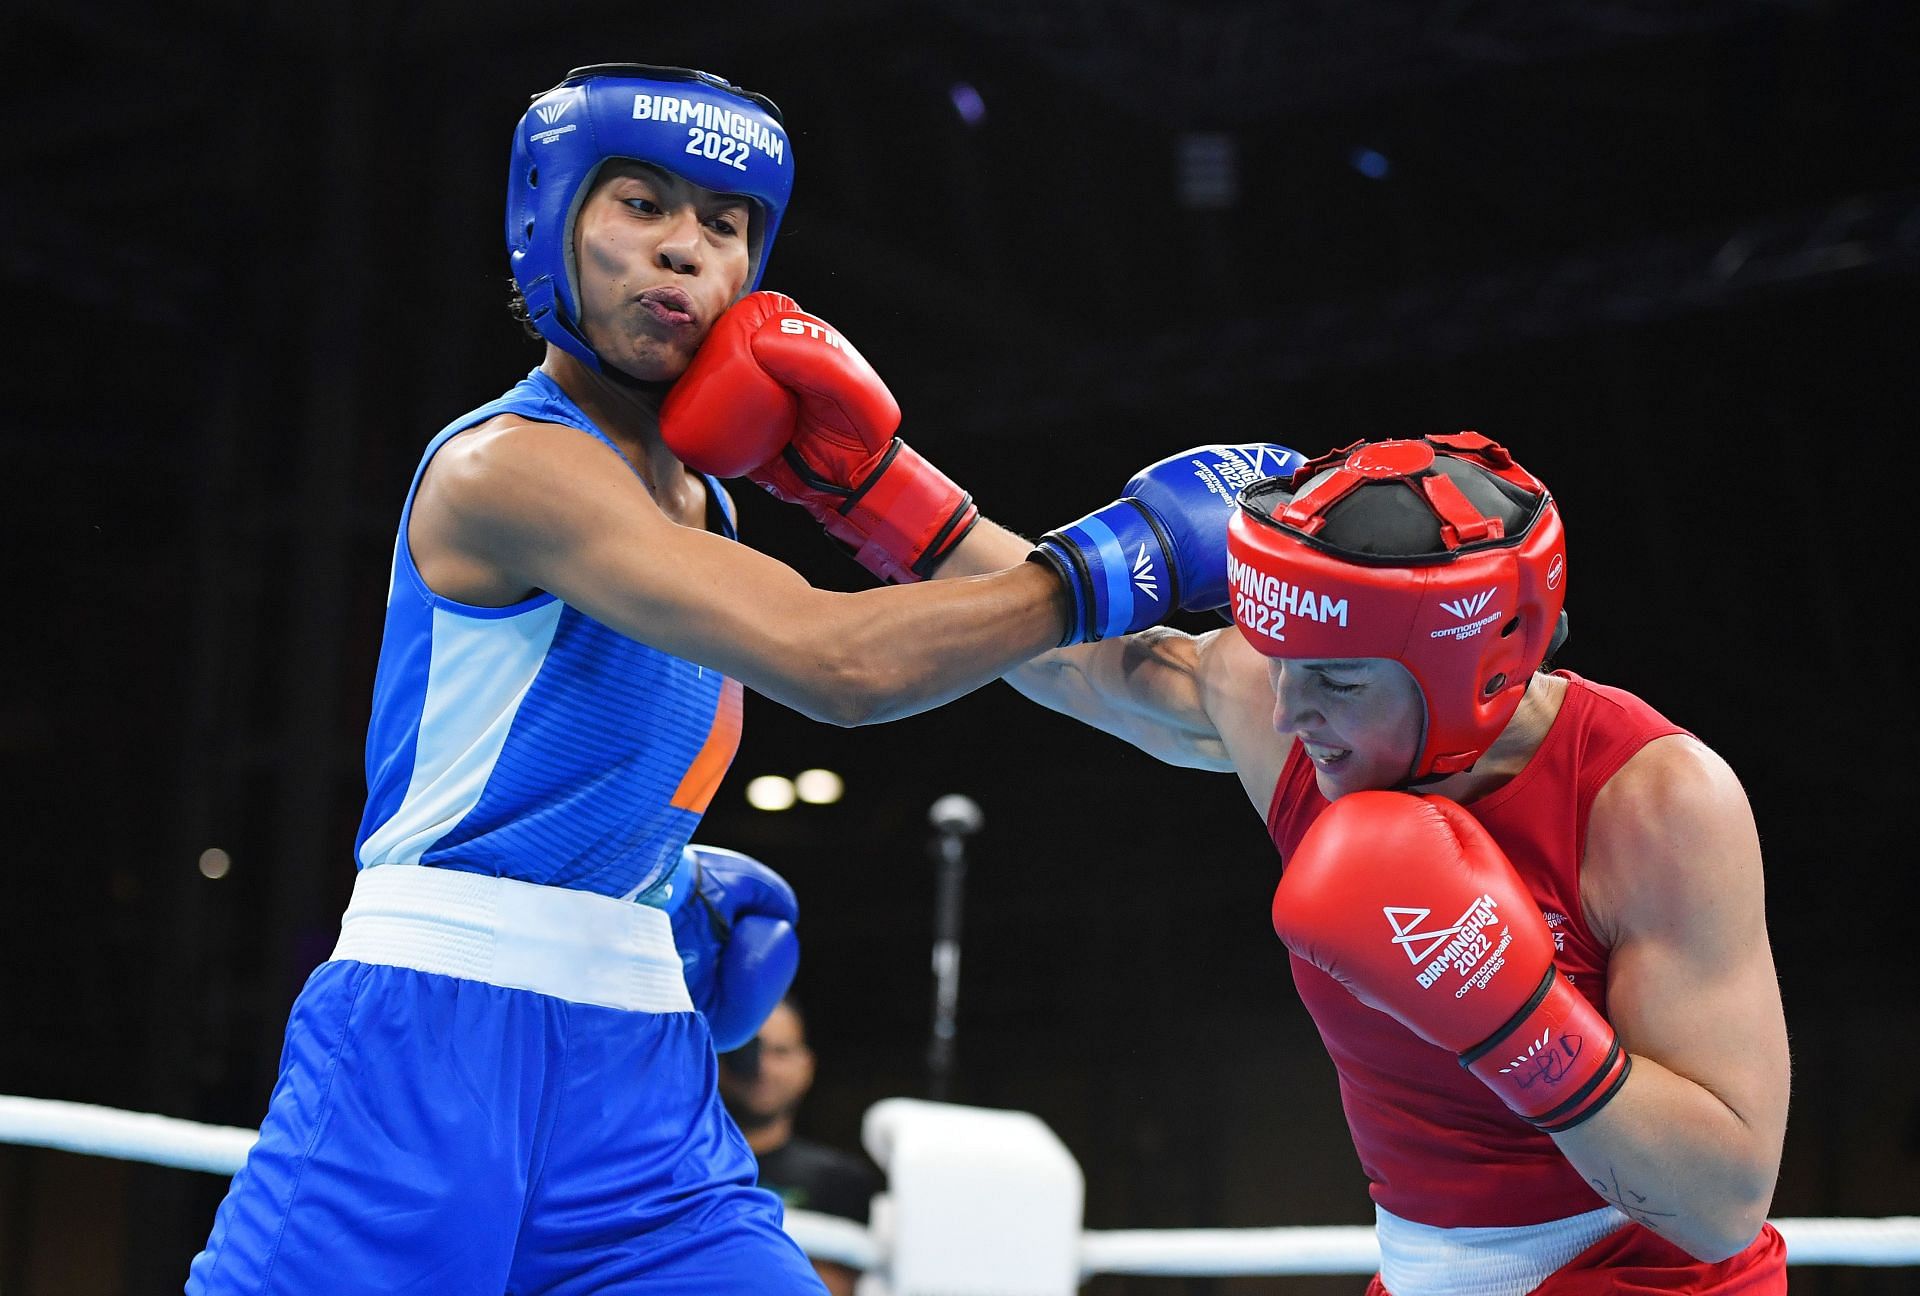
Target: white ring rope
x,y
1350,1249
128,1136
221,1149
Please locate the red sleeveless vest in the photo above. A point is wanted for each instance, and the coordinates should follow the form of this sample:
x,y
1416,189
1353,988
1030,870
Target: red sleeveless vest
x,y
1437,1146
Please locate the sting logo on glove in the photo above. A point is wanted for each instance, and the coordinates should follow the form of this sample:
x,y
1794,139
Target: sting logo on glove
x,y
796,327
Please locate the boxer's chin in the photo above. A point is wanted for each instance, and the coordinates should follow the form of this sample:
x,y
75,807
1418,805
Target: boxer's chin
x,y
657,364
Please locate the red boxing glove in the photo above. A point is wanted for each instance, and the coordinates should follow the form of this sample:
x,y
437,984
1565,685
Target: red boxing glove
x,y
776,395
726,414
1407,902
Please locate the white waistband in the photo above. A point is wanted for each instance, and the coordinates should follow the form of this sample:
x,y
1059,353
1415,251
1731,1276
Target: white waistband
x,y
1421,1260
573,945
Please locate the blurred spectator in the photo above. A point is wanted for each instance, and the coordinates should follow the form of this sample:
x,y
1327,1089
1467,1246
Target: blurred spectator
x,y
763,1085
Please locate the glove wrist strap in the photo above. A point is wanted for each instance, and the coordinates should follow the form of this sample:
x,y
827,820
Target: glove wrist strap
x,y
1065,564
901,518
906,516
1115,562
1556,1061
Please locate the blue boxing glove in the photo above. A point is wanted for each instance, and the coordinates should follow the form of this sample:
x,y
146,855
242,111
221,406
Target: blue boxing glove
x,y
733,923
1162,545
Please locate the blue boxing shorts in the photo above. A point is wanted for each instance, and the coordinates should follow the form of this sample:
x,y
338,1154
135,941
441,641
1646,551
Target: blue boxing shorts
x,y
435,1131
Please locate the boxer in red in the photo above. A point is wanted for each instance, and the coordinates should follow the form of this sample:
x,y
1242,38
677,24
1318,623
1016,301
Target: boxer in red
x,y
1525,910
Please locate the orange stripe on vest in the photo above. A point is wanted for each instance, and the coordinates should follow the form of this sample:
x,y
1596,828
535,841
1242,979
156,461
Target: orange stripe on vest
x,y
702,778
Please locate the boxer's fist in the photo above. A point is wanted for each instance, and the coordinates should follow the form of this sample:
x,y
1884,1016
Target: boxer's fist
x,y
777,395
1408,903
1162,545
727,414
734,927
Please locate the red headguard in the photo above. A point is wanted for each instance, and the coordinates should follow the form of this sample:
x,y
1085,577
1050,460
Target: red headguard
x,y
1442,554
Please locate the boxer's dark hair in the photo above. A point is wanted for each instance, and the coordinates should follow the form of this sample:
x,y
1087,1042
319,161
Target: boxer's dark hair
x,y
517,307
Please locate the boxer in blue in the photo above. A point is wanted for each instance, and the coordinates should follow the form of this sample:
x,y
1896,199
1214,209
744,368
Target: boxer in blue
x,y
499,1082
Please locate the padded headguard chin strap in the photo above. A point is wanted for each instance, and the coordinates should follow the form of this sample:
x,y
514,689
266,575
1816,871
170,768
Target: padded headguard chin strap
x,y
694,124
1442,554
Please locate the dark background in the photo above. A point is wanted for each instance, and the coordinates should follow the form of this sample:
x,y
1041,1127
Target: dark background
x,y
1666,251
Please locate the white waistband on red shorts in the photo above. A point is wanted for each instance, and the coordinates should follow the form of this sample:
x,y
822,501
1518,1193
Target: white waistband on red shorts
x,y
1421,1260
575,945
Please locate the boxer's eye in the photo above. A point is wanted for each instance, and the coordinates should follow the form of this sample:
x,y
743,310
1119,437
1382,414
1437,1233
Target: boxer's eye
x,y
727,225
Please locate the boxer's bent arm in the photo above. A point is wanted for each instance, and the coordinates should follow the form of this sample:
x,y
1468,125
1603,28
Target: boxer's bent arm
x,y
1672,881
1201,701
550,509
1143,688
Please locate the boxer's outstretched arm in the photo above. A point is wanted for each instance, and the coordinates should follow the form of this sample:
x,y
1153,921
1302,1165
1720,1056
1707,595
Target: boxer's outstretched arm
x,y
540,507
777,393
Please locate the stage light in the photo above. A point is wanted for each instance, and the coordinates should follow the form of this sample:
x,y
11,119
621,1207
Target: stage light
x,y
1209,171
968,103
1370,163
770,792
818,786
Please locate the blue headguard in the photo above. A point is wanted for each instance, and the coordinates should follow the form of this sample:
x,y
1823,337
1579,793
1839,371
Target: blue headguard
x,y
694,124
